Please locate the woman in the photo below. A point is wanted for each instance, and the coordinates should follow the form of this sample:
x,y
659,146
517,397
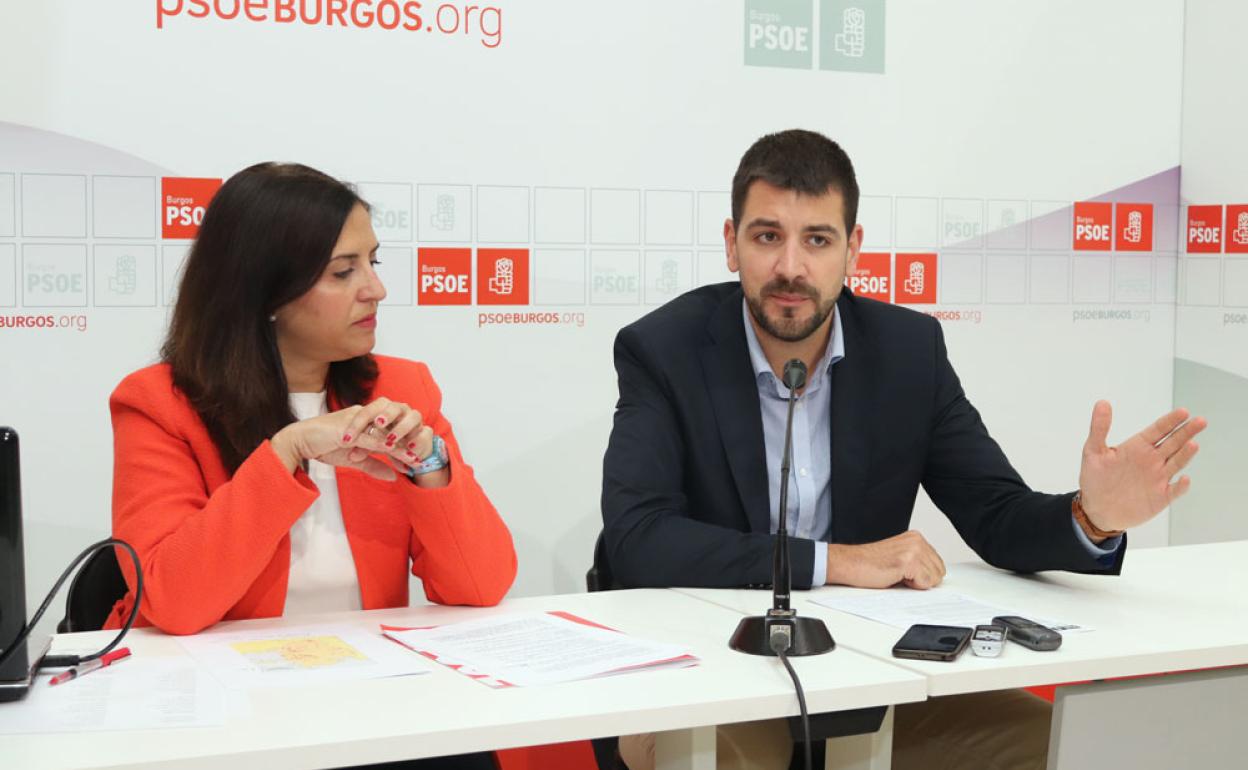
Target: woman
x,y
270,464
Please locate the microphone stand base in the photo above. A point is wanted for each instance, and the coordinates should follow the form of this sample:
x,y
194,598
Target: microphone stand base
x,y
810,635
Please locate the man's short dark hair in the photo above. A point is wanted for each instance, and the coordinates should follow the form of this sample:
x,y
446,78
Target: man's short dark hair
x,y
804,161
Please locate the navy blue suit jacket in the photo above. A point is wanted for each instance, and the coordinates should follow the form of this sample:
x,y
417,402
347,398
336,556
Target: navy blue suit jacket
x,y
684,497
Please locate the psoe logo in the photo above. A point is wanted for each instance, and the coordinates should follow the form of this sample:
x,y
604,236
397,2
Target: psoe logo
x,y
1093,226
1237,229
916,279
183,201
873,277
502,276
1135,227
54,275
851,35
444,276
778,33
782,33
1204,229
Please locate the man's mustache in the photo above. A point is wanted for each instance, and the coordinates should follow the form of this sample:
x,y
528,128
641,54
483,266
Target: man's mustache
x,y
791,287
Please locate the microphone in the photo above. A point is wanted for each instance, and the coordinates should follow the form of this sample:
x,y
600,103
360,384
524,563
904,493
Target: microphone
x,y
794,375
781,630
781,572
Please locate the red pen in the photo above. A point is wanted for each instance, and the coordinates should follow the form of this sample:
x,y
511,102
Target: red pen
x,y
91,665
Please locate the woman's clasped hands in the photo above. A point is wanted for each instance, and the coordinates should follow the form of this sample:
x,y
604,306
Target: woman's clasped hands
x,y
352,437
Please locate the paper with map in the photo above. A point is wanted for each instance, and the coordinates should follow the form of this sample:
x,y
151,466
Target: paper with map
x,y
299,655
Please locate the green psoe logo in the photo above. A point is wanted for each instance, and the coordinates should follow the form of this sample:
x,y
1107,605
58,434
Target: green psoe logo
x,y
779,33
851,35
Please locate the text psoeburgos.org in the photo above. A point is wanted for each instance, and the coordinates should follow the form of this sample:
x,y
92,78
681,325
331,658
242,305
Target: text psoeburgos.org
x,y
531,319
77,322
480,21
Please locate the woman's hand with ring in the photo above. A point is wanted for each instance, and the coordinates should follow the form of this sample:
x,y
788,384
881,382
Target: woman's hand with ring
x,y
401,434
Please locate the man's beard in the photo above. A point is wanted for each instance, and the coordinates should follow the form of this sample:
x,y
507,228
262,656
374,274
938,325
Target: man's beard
x,y
789,328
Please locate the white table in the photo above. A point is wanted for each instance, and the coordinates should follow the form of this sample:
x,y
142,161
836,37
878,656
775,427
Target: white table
x,y
446,713
1173,609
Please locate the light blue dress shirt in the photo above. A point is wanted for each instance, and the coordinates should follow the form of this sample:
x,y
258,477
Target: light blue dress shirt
x,y
810,472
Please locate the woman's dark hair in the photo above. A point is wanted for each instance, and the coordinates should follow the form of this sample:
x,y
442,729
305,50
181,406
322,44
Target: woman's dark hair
x,y
265,239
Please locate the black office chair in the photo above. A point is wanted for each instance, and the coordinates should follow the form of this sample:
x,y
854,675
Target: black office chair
x,y
92,594
599,577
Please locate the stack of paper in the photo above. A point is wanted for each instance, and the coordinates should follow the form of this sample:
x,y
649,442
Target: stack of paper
x,y
902,607
519,650
135,694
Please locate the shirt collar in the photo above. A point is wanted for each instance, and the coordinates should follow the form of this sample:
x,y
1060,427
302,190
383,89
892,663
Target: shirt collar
x,y
762,369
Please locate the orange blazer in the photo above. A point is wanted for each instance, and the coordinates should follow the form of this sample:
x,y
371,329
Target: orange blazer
x,y
215,547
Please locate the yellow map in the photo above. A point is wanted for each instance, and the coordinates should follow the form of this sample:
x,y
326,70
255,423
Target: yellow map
x,y
304,652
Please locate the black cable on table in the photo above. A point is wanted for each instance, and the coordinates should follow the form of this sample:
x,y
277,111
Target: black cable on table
x,y
58,661
801,703
780,639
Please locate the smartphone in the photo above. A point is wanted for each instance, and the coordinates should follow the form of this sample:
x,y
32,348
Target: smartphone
x,y
1028,633
923,642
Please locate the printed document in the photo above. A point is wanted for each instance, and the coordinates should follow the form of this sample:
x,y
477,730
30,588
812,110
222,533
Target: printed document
x,y
135,694
523,649
903,607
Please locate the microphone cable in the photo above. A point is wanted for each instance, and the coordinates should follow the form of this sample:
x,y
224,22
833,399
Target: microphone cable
x,y
780,639
58,661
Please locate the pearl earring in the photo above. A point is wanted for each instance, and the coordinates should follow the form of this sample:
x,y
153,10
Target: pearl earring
x,y
272,317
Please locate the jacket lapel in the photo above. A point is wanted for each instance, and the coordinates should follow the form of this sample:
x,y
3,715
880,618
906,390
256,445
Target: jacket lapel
x,y
734,397
851,384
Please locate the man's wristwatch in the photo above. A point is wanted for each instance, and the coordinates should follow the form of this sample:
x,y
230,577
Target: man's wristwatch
x,y
1081,517
436,461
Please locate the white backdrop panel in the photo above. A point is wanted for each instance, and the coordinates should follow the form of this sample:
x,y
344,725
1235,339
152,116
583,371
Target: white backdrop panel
x,y
600,137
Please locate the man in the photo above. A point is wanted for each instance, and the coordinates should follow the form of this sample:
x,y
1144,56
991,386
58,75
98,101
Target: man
x,y
691,474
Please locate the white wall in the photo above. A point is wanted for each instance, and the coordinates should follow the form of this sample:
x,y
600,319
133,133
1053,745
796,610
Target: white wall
x,y
1211,351
982,101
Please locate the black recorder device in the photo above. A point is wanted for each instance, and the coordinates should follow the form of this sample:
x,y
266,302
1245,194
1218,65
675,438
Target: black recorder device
x,y
16,667
1028,633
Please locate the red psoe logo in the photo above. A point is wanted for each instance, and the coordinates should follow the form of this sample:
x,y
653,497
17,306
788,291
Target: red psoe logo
x,y
915,279
1093,222
1135,227
1237,229
873,277
502,276
183,201
1204,229
444,276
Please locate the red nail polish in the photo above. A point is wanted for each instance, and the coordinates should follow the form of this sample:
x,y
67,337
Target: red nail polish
x,y
381,420
412,445
346,437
